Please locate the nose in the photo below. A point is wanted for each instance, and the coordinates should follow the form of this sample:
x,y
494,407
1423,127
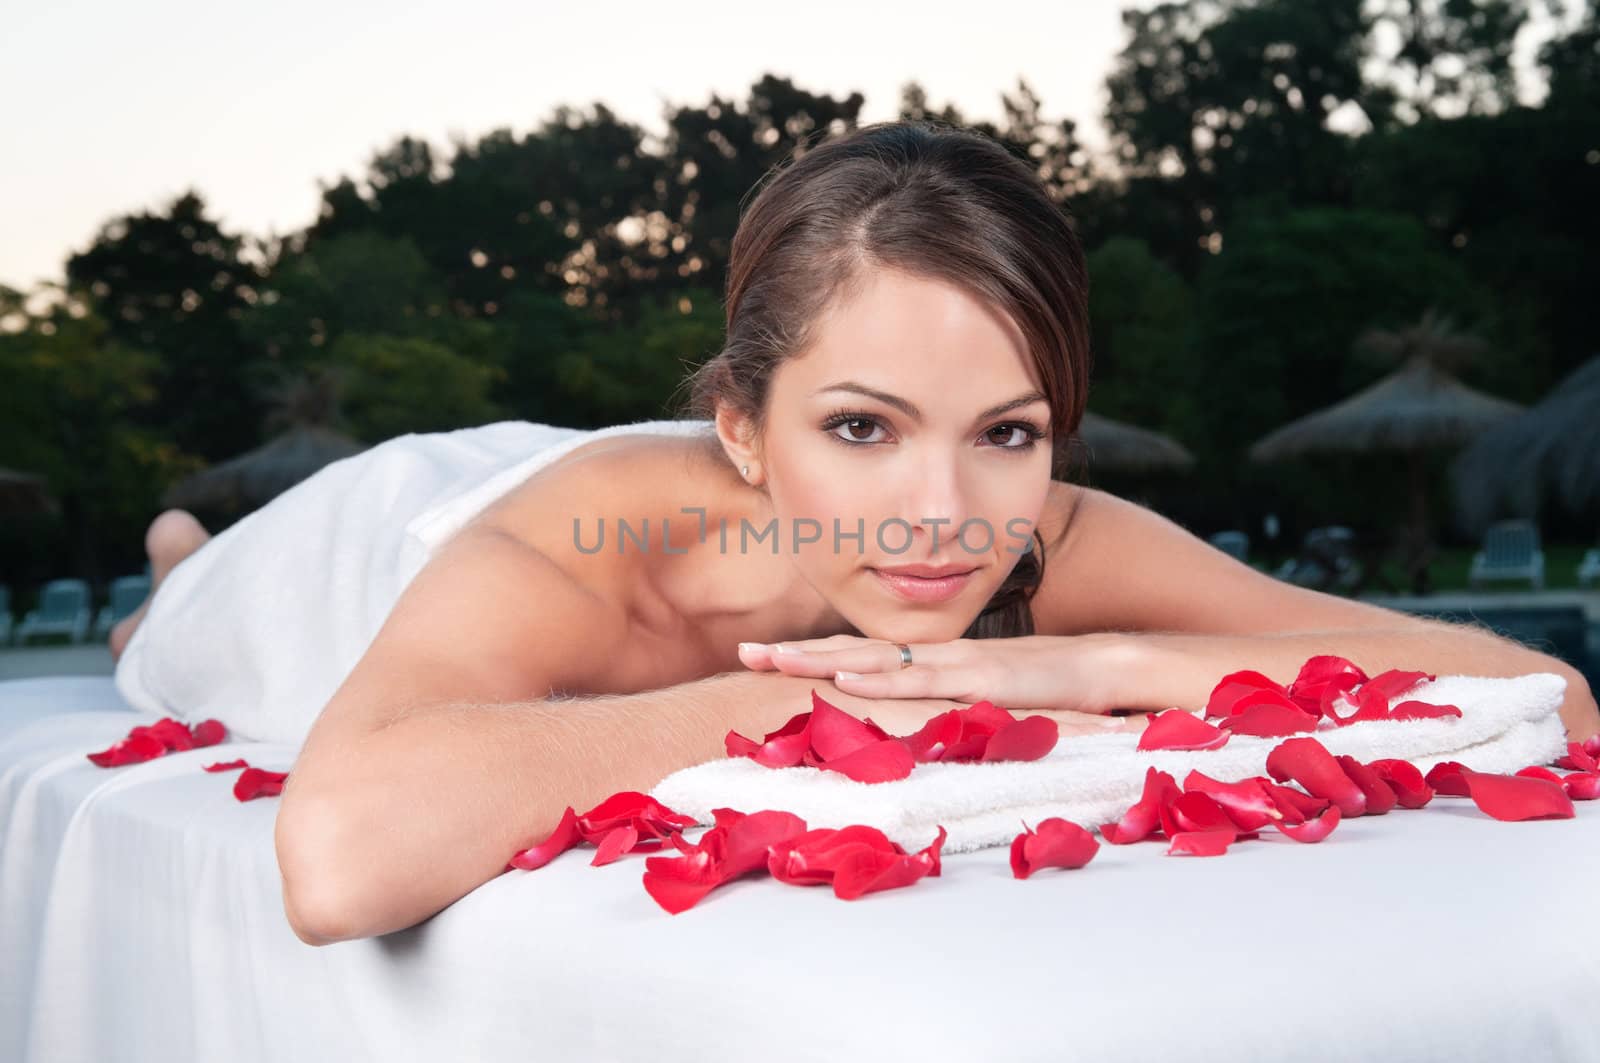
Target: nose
x,y
936,501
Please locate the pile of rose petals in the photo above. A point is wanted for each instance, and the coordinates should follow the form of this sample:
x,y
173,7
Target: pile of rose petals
x,y
625,822
167,735
854,860
1329,691
252,782
149,741
827,737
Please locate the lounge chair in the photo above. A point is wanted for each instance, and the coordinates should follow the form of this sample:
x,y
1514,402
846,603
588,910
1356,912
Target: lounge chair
x,y
63,610
127,594
1327,560
1510,551
1235,544
1589,568
5,615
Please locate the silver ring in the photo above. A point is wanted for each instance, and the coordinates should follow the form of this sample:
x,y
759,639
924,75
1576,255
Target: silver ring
x,y
905,654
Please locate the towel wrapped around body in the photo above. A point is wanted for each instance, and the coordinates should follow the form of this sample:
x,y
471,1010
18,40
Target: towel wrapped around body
x,y
260,626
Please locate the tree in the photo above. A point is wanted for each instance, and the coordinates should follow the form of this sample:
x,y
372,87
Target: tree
x,y
175,284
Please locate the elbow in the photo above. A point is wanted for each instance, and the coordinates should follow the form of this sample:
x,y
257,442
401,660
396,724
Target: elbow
x,y
318,894
1579,711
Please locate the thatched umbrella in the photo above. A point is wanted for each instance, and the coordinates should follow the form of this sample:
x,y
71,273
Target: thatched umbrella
x,y
1417,408
1555,444
23,492
1116,445
256,477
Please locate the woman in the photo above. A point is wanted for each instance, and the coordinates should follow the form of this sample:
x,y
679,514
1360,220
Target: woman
x,y
906,355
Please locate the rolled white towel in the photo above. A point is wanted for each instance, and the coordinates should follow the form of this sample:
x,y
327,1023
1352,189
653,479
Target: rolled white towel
x,y
1506,724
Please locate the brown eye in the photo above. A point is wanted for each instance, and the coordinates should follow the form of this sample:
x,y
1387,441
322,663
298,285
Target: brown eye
x,y
1007,435
852,426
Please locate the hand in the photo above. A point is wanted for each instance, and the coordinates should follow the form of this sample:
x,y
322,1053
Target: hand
x,y
1073,673
905,716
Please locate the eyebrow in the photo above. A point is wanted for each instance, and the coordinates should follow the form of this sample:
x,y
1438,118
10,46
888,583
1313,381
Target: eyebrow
x,y
915,412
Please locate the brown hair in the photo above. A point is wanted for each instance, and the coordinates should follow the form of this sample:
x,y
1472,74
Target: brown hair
x,y
929,199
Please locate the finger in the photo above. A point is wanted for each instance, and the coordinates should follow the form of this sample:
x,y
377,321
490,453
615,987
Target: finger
x,y
881,657
917,681
756,656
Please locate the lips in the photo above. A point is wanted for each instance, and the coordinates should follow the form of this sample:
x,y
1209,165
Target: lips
x,y
941,586
928,571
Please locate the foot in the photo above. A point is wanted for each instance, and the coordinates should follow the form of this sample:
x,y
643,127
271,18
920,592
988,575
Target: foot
x,y
171,537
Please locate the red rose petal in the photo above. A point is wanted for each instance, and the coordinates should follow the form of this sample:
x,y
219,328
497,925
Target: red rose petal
x,y
1447,779
835,733
1201,843
1422,710
1410,789
1231,687
1313,830
228,765
882,761
174,735
1029,738
1180,729
1537,772
1266,718
1143,818
1246,802
1297,806
1380,796
1308,762
866,869
1318,675
614,843
1513,798
1578,758
1194,811
1582,785
677,883
782,748
564,837
1056,842
209,733
641,811
258,782
134,749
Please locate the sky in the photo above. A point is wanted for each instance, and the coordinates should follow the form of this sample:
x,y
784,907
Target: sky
x,y
114,108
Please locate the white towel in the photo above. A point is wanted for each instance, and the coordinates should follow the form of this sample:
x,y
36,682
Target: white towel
x,y
1506,724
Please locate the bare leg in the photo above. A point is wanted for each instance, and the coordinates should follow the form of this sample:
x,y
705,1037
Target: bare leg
x,y
171,537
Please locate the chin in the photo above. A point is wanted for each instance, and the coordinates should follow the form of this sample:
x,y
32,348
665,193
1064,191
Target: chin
x,y
917,626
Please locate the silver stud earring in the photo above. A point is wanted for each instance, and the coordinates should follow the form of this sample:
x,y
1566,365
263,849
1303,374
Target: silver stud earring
x,y
745,471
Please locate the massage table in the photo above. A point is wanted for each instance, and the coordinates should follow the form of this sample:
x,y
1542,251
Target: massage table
x,y
141,919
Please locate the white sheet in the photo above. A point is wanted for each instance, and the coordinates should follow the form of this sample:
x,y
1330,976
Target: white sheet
x,y
1429,934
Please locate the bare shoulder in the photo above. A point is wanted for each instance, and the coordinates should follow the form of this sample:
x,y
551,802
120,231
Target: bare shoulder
x,y
1114,565
635,475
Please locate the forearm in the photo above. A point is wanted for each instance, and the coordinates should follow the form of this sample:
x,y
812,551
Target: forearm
x,y
1159,670
433,805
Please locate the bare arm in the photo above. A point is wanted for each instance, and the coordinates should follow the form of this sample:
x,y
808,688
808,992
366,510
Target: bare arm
x,y
433,803
1188,614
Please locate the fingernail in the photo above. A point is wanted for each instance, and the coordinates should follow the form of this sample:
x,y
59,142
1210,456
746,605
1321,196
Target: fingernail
x,y
779,648
847,675
1111,721
749,647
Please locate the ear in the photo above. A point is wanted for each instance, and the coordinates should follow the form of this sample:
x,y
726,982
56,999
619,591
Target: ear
x,y
737,433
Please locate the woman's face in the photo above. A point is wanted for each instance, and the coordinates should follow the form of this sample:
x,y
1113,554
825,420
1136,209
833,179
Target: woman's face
x,y
945,464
